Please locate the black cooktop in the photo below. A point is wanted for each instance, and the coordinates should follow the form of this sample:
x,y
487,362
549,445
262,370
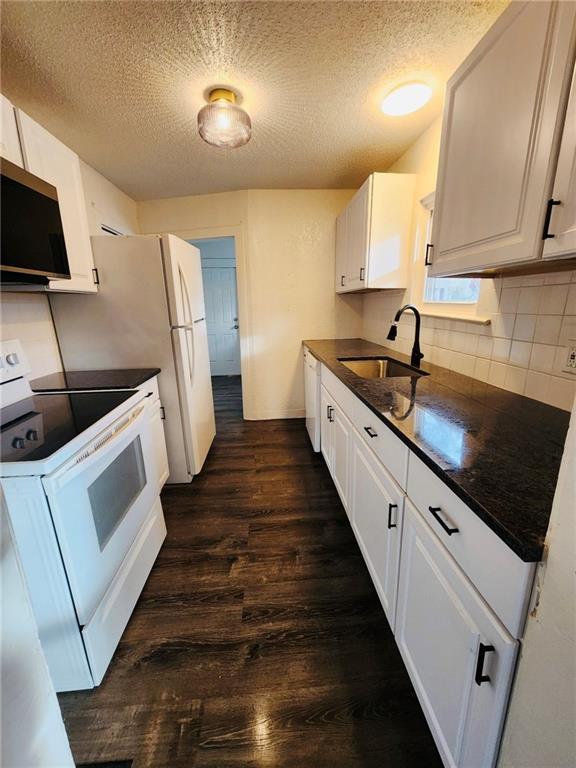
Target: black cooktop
x,y
38,426
112,378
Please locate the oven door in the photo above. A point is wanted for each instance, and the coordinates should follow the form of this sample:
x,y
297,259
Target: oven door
x,y
99,500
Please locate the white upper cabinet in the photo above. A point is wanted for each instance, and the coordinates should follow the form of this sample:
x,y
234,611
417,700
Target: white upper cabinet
x,y
503,116
46,157
373,235
561,240
9,140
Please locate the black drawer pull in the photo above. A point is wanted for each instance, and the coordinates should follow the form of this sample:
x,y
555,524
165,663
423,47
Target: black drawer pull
x,y
546,235
370,432
449,531
390,508
362,271
342,280
329,412
480,677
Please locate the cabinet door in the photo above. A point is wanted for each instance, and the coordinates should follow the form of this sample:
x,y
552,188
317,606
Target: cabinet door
x,y
357,237
340,275
341,454
377,512
9,139
503,111
161,457
326,424
449,638
563,218
52,161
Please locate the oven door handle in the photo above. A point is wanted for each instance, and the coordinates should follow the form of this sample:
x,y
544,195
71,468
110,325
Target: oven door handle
x,y
93,451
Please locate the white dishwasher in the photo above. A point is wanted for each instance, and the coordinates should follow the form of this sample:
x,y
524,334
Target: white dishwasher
x,y
312,392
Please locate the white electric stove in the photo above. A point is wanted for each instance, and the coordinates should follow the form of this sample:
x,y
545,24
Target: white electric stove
x,y
79,477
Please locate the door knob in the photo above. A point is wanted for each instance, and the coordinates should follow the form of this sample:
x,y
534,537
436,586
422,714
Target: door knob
x,y
235,327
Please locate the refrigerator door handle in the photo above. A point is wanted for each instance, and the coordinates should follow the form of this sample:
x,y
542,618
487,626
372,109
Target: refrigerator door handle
x,y
191,355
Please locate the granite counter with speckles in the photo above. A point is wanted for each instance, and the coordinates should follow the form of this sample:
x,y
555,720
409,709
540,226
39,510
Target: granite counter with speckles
x,y
498,451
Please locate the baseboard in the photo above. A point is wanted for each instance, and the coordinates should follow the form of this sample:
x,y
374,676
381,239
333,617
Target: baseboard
x,y
289,413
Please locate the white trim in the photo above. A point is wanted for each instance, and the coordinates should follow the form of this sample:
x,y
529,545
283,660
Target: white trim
x,y
428,200
479,320
282,413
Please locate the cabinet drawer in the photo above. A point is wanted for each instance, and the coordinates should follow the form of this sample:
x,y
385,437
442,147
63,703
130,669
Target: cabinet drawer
x,y
339,392
501,577
151,386
388,448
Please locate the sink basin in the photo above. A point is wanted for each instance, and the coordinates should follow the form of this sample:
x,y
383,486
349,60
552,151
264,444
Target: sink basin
x,y
379,367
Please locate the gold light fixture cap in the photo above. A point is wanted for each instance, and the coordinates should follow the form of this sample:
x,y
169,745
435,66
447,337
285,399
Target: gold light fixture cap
x,y
222,94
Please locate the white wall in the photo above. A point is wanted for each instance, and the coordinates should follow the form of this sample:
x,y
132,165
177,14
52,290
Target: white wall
x,y
32,732
106,204
541,728
531,318
285,281
26,316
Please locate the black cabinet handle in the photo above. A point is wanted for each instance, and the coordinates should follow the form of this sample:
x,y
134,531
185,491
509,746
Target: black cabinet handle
x,y
369,431
329,412
342,280
449,531
549,206
362,270
480,677
427,262
390,508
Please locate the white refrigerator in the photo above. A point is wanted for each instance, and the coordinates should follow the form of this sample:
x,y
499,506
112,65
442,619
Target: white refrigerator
x,y
148,312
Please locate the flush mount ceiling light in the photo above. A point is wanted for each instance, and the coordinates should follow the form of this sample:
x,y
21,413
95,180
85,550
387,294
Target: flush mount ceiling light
x,y
222,122
406,99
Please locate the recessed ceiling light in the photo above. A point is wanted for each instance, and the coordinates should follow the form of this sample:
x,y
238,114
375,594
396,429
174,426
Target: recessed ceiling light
x,y
222,122
406,99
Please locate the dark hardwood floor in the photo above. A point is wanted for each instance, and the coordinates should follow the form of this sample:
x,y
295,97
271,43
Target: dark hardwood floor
x,y
259,639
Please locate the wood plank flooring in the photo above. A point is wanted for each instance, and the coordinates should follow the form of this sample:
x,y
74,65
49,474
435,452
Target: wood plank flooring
x,y
259,640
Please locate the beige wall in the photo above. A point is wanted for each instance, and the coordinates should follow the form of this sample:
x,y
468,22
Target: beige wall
x,y
531,318
26,316
285,280
540,731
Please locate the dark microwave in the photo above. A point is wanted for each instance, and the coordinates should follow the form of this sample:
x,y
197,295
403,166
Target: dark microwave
x,y
32,238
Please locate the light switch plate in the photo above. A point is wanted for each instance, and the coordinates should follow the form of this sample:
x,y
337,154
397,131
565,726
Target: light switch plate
x,y
570,361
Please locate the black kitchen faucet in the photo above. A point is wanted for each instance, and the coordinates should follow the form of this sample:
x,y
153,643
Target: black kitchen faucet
x,y
416,356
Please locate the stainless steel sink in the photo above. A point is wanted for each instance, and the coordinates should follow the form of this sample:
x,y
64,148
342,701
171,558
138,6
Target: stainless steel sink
x,y
379,367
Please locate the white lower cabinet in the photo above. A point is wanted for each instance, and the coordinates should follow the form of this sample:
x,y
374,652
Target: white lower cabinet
x,y
335,439
342,447
377,511
326,431
454,629
458,655
157,422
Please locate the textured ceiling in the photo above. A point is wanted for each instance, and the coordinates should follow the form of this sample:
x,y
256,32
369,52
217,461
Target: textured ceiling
x,y
121,83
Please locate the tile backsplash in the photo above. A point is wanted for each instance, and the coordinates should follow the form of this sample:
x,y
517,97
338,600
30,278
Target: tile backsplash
x,y
524,348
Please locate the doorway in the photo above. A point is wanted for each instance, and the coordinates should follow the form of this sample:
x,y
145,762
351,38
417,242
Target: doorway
x,y
218,258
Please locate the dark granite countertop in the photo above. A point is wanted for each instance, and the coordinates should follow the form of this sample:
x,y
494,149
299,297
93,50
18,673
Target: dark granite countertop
x,y
119,378
498,451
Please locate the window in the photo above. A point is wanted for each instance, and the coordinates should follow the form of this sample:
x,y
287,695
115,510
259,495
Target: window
x,y
447,290
453,290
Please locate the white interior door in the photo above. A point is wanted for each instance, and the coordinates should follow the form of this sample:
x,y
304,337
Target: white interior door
x,y
222,319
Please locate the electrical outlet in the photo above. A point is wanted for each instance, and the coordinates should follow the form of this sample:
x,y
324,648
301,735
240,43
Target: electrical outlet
x,y
570,362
